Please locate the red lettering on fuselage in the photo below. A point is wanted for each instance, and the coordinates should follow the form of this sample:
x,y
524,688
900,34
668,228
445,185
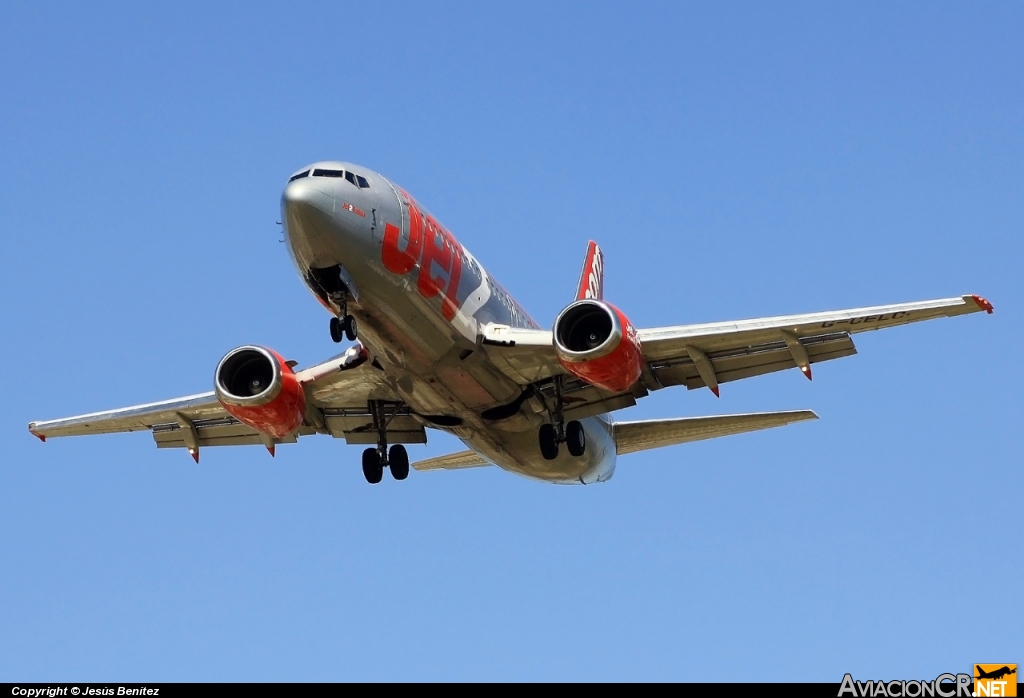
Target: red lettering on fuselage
x,y
436,250
402,261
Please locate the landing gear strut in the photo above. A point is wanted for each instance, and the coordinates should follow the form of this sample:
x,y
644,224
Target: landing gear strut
x,y
558,432
376,459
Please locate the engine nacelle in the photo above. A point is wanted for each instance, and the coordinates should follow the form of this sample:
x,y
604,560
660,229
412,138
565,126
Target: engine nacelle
x,y
259,389
597,343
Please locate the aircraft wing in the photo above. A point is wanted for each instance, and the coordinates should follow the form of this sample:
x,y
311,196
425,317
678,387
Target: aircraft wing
x,y
709,354
631,437
337,392
712,353
452,461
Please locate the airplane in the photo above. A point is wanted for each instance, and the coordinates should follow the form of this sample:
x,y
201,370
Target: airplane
x,y
996,674
438,343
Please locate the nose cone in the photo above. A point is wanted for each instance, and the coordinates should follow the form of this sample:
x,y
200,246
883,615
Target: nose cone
x,y
307,209
307,193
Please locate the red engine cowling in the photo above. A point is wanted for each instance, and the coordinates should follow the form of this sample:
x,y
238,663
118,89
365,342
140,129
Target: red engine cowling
x,y
259,389
597,343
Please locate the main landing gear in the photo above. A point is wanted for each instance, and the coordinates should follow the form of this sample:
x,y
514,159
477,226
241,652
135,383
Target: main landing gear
x,y
344,327
373,464
573,436
376,459
558,432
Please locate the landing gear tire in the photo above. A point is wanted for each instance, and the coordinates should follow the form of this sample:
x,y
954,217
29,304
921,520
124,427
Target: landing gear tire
x,y
349,326
548,442
336,330
398,461
575,438
373,469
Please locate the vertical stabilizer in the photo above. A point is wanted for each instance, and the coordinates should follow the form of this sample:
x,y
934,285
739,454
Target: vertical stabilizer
x,y
591,283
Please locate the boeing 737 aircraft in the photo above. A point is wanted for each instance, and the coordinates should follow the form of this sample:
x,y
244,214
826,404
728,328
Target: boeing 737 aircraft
x,y
439,344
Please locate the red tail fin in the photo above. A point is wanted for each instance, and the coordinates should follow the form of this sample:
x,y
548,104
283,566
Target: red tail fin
x,y
591,283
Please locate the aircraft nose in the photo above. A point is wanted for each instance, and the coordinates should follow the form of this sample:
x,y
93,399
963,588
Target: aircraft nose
x,y
302,194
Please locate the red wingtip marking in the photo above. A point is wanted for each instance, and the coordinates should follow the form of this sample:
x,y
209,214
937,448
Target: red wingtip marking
x,y
715,391
807,371
194,452
983,304
38,436
270,449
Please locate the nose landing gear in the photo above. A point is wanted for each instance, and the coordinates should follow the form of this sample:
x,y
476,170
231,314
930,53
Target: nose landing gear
x,y
334,286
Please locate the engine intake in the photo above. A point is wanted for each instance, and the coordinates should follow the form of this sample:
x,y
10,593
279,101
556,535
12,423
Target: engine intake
x,y
596,343
587,330
258,388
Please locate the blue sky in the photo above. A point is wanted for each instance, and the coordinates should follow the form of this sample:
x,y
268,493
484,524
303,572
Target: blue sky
x,y
732,160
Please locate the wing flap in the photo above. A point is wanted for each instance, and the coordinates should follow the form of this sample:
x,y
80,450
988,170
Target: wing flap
x,y
631,437
355,425
452,461
219,432
745,362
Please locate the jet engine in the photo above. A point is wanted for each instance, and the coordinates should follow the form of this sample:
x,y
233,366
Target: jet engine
x,y
258,388
596,343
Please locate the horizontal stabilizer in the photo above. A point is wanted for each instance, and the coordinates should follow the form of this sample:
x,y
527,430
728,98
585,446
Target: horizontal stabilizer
x,y
453,461
631,437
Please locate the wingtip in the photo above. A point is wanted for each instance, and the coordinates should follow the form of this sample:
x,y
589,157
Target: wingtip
x,y
716,391
806,371
194,452
36,434
983,304
271,451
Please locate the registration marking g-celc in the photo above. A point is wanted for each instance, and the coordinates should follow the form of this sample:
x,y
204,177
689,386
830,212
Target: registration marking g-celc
x,y
868,318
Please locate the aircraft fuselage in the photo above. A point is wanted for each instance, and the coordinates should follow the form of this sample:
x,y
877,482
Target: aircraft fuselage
x,y
365,247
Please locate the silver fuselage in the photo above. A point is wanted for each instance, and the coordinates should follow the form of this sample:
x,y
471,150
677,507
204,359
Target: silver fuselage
x,y
419,307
